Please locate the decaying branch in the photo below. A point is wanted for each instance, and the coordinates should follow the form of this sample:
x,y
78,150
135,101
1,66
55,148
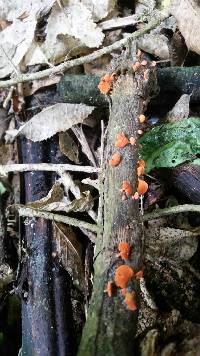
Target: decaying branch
x,y
111,324
46,167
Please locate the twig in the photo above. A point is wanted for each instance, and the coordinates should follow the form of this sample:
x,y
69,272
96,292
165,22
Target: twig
x,y
120,22
84,59
59,218
47,167
158,213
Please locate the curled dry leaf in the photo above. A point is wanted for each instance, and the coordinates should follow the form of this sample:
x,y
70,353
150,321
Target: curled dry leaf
x,y
56,201
56,194
68,250
56,118
187,14
69,147
84,203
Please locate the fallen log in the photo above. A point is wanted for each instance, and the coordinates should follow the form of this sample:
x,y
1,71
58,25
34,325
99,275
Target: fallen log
x,y
173,82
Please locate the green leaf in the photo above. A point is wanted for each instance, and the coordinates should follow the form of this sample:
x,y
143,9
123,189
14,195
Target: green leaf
x,y
169,145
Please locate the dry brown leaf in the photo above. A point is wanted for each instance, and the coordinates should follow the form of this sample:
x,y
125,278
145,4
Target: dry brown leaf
x,y
84,203
56,194
53,119
175,244
187,14
56,201
68,147
68,250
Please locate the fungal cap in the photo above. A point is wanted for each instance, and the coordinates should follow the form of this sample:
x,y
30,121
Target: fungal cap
x,y
132,141
121,140
140,132
139,274
124,249
136,66
123,274
115,160
142,118
142,187
126,187
130,300
105,83
135,196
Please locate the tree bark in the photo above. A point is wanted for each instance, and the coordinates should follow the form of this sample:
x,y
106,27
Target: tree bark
x,y
111,326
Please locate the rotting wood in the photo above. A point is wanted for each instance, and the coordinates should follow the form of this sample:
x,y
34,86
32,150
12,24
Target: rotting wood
x,y
111,326
173,82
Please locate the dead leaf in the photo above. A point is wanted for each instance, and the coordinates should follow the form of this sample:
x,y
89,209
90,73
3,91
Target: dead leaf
x,y
156,42
68,250
174,244
16,39
84,203
65,36
56,194
68,147
180,110
187,14
56,201
53,119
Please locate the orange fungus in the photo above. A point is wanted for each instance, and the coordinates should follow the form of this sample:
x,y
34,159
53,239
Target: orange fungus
x,y
105,84
124,250
115,160
132,141
126,188
123,274
109,289
142,187
142,118
139,274
136,66
140,168
135,196
130,300
121,140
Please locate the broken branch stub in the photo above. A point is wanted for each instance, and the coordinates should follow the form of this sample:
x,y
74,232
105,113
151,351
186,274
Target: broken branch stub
x,y
112,323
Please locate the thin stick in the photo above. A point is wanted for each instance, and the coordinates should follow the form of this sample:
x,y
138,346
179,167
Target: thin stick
x,y
158,213
47,167
84,59
59,218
